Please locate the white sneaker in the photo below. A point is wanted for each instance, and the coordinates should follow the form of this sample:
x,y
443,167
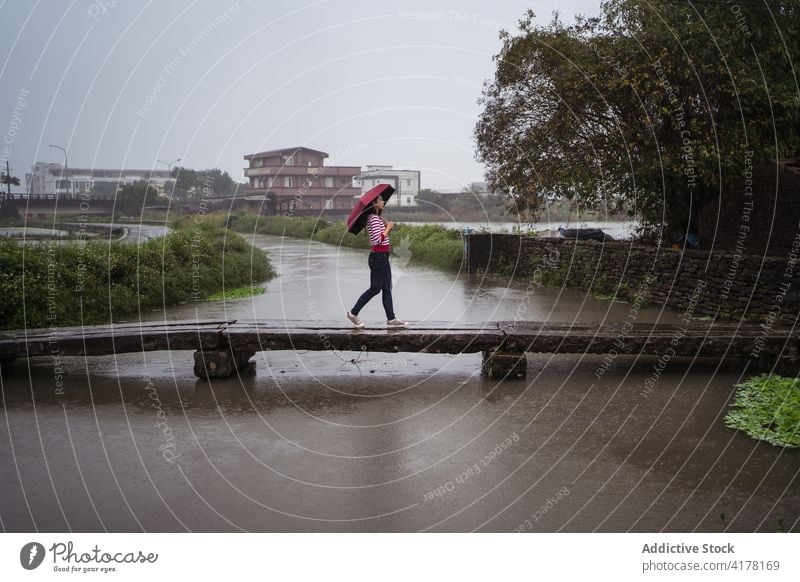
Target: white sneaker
x,y
355,320
396,323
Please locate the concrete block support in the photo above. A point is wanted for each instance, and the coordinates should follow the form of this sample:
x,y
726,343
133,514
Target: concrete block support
x,y
220,363
499,365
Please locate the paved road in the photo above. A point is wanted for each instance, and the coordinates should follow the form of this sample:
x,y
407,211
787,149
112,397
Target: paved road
x,y
140,233
137,233
29,231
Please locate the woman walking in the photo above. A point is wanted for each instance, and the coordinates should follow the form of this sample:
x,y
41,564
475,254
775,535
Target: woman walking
x,y
380,272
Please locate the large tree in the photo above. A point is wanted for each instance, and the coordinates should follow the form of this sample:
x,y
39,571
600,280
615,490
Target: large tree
x,y
193,185
653,107
7,180
132,198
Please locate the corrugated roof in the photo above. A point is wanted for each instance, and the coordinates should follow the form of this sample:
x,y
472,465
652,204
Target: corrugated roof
x,y
283,151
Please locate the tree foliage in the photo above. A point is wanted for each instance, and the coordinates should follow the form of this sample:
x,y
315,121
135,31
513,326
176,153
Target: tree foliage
x,y
132,198
653,106
8,180
105,188
196,184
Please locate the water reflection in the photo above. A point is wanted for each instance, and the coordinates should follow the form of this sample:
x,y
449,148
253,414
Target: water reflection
x,y
342,441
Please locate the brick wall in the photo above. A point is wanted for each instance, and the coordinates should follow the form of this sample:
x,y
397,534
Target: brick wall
x,y
718,284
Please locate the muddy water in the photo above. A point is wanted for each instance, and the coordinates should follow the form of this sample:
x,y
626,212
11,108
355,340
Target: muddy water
x,y
386,442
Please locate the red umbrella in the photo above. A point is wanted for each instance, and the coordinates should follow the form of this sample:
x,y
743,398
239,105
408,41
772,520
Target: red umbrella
x,y
357,220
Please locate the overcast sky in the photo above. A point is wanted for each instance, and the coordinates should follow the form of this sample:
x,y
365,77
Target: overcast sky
x,y
123,83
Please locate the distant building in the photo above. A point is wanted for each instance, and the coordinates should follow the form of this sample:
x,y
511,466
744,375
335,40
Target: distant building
x,y
296,179
480,188
405,183
49,178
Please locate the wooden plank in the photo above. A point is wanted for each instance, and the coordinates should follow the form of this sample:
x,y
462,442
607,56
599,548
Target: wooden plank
x,y
376,340
698,338
97,343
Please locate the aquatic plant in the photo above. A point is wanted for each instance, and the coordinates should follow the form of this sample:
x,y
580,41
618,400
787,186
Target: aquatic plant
x,y
238,293
767,408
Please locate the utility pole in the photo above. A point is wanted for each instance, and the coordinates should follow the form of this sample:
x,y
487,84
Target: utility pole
x,y
66,168
169,166
5,198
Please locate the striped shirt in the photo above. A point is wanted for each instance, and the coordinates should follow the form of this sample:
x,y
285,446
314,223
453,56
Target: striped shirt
x,y
375,228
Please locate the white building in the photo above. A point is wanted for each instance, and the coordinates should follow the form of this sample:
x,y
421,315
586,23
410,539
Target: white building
x,y
405,183
48,178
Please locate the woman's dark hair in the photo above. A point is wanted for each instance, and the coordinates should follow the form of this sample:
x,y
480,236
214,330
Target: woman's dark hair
x,y
371,208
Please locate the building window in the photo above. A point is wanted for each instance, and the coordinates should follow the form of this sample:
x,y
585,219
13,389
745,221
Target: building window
x,y
287,181
289,160
270,180
408,199
408,182
329,182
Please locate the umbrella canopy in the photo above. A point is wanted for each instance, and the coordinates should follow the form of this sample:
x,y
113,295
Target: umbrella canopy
x,y
357,220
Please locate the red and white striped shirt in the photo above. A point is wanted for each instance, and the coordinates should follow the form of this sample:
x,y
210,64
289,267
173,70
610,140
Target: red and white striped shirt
x,y
375,228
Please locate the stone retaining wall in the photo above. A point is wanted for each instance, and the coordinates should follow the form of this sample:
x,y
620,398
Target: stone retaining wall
x,y
723,285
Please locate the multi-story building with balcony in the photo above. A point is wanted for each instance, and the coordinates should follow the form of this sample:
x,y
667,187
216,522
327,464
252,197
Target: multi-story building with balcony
x,y
295,180
405,183
51,179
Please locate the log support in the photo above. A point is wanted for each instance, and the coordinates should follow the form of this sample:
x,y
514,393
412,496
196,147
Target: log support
x,y
214,364
500,365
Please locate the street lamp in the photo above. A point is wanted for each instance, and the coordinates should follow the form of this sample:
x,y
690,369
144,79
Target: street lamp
x,y
169,166
66,168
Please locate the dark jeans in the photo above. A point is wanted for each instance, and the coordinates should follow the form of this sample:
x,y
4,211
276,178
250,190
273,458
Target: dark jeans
x,y
380,280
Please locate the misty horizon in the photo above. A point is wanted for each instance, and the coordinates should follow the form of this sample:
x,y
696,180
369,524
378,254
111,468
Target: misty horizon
x,y
123,86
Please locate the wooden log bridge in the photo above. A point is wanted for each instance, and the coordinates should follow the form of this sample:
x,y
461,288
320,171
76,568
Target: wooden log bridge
x,y
224,347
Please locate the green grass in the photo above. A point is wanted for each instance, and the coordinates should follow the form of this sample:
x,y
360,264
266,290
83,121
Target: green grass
x,y
96,282
768,408
238,293
431,245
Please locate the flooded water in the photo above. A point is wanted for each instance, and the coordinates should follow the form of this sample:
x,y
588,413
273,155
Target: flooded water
x,y
339,441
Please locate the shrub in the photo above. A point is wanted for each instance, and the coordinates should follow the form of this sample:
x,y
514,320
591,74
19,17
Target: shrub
x,y
98,282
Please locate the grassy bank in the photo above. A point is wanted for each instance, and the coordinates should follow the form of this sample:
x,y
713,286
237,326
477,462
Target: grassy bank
x,y
97,282
430,244
768,408
239,293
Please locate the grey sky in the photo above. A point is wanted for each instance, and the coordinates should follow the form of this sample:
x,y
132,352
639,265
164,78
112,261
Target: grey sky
x,y
124,83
